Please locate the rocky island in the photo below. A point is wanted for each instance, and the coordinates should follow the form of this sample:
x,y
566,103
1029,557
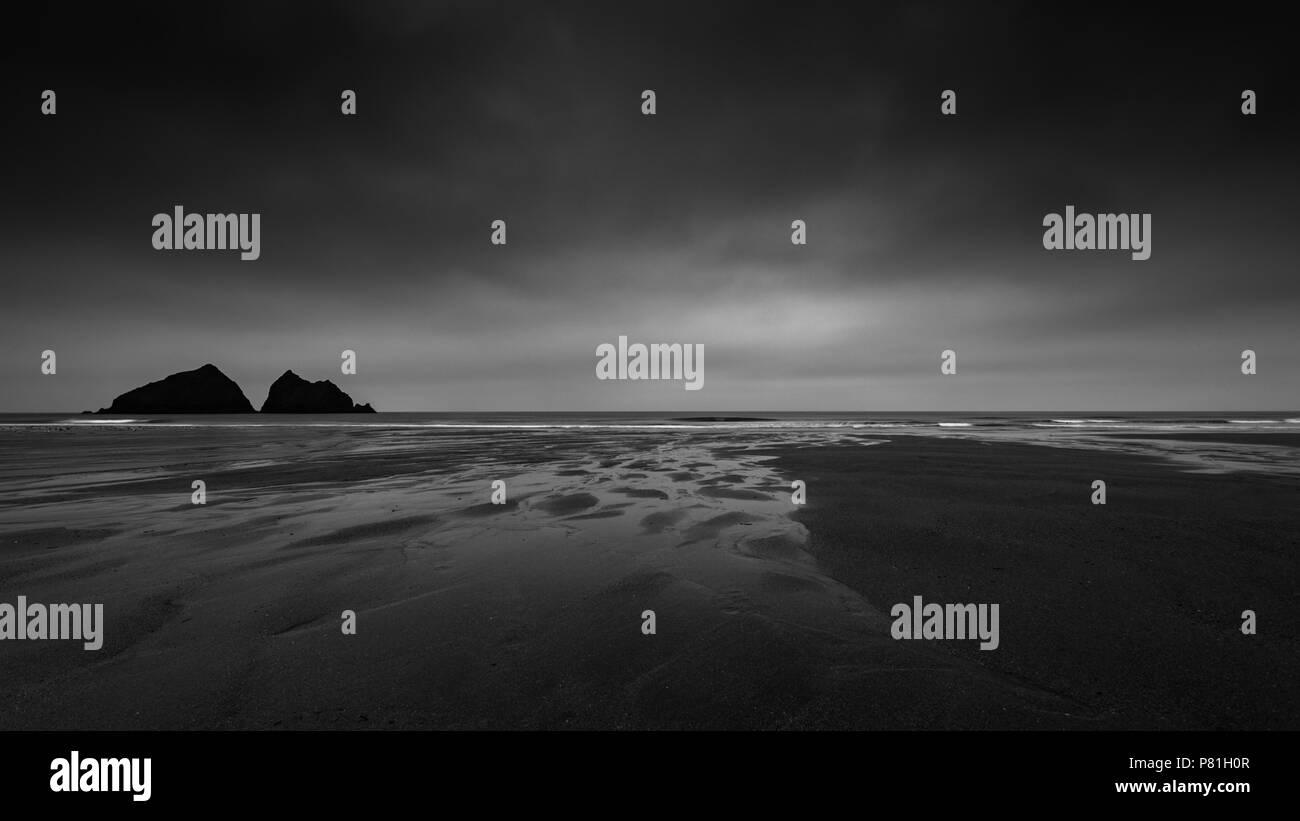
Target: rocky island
x,y
203,390
208,390
293,394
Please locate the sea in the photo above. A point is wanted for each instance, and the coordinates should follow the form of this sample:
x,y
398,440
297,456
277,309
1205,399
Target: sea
x,y
919,422
1207,442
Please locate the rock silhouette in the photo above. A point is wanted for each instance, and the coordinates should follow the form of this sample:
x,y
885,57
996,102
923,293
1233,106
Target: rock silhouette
x,y
203,390
293,394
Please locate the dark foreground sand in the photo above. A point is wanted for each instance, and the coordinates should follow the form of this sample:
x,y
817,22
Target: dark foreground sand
x,y
1130,611
527,615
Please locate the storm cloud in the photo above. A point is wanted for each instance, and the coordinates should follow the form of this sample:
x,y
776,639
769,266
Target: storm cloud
x,y
924,231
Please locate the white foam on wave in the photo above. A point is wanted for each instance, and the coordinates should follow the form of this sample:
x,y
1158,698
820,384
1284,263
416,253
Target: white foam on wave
x,y
1085,421
1100,425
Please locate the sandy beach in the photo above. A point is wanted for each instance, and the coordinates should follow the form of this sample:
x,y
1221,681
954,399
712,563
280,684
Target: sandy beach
x,y
528,614
1129,611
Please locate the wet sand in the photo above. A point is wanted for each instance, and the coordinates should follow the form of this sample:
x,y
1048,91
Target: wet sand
x,y
528,614
1131,611
1290,440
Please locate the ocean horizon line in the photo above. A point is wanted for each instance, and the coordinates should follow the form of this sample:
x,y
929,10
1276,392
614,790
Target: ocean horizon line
x,y
1094,412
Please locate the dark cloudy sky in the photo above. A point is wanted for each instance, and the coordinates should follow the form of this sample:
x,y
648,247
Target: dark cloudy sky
x,y
925,232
